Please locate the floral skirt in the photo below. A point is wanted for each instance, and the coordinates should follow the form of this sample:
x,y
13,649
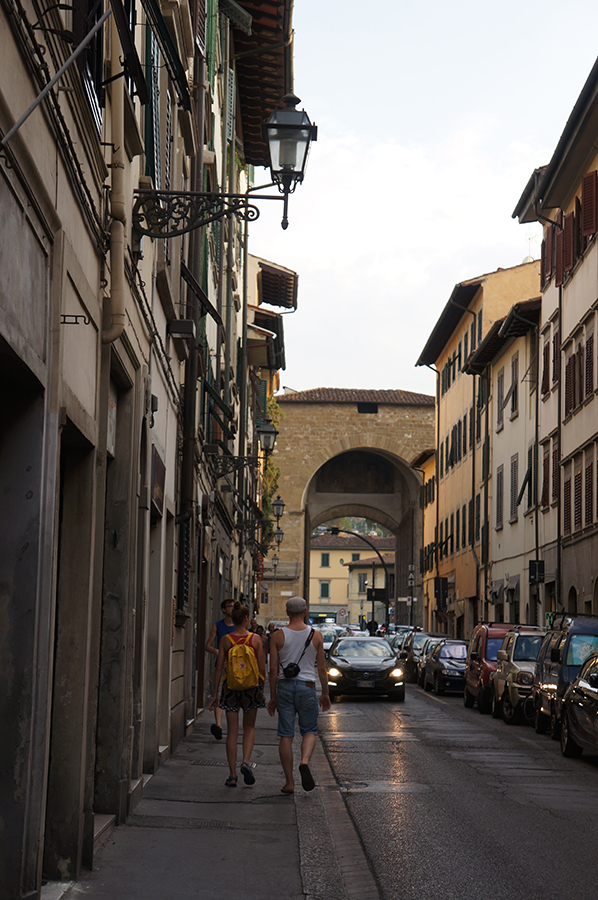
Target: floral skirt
x,y
233,701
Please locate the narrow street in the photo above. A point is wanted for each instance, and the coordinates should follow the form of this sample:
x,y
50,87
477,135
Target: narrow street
x,y
452,804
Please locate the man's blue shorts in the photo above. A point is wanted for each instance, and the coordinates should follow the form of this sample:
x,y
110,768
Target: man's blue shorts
x,y
296,698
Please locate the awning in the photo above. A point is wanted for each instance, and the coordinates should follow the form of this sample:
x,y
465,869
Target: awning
x,y
271,321
277,286
169,51
257,345
513,583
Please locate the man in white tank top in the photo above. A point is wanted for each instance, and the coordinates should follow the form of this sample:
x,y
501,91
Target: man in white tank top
x,y
296,696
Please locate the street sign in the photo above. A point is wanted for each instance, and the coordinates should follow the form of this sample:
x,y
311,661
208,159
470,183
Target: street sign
x,y
342,611
264,588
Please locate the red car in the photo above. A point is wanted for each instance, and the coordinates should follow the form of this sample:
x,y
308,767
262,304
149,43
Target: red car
x,y
482,654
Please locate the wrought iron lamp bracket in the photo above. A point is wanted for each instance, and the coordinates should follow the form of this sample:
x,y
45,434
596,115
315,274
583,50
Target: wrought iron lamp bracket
x,y
166,214
224,465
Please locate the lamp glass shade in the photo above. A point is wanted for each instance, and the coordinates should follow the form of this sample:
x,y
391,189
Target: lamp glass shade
x,y
289,133
267,435
278,536
278,507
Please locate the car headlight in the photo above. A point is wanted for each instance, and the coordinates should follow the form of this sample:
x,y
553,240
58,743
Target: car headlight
x,y
396,673
334,673
524,678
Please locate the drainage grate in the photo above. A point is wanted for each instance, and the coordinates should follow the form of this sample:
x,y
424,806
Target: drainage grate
x,y
209,762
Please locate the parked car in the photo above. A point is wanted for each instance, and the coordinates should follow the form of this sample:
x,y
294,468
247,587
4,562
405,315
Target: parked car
x,y
364,665
512,682
421,663
329,635
411,651
445,667
579,711
485,642
565,647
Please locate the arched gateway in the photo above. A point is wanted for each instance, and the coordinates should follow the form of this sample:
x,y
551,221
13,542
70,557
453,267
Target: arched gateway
x,y
347,452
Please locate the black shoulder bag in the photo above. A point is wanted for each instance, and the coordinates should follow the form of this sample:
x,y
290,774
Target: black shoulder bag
x,y
292,669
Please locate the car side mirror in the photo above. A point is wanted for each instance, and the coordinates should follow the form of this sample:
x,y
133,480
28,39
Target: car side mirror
x,y
555,655
502,656
474,656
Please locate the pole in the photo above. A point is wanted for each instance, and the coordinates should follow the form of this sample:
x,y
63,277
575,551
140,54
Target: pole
x,y
334,530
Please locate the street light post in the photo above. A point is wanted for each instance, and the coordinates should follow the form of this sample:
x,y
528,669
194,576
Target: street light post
x,y
334,531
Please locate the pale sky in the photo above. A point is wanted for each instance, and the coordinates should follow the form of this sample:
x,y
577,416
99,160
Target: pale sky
x,y
431,118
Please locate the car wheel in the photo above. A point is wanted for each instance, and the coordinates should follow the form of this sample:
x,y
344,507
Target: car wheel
x,y
510,713
427,686
496,707
541,721
555,725
568,746
437,689
483,705
422,679
399,696
468,700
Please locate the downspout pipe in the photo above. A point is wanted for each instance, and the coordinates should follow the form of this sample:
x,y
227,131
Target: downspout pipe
x,y
117,210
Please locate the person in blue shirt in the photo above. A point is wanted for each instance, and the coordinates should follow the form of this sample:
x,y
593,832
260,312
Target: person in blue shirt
x,y
219,629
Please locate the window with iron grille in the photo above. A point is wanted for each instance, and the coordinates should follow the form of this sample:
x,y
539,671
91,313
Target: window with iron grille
x,y
500,399
514,487
555,472
589,498
546,368
500,488
556,356
577,501
589,365
567,506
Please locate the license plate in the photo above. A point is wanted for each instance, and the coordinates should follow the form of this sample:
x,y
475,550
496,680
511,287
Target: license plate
x,y
366,684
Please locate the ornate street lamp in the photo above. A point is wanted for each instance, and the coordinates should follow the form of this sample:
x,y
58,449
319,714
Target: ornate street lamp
x,y
267,435
289,133
278,508
166,214
278,536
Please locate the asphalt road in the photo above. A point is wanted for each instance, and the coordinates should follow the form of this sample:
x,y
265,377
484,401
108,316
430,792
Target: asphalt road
x,y
455,805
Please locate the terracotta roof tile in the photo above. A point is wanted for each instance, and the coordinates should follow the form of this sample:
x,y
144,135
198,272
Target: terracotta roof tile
x,y
351,395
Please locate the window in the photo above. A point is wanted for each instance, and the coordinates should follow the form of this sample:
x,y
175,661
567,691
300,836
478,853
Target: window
x,y
324,590
355,557
555,472
556,356
471,428
470,528
440,542
442,459
589,498
465,346
367,408
86,14
545,368
500,482
570,385
589,365
464,434
464,525
480,327
457,528
362,582
452,533
531,477
478,516
588,204
567,506
324,560
514,384
472,336
577,501
500,399
514,490
544,500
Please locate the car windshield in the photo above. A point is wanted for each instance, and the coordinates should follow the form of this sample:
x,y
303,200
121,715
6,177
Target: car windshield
x,y
363,649
419,640
492,648
527,648
329,636
454,651
580,647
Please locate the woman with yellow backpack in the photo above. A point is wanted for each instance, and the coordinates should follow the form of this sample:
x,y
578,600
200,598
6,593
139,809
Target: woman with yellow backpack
x,y
241,660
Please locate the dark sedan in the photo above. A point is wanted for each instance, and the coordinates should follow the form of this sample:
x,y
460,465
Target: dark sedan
x,y
445,667
579,711
364,665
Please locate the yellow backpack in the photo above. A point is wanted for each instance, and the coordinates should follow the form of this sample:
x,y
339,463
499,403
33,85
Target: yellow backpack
x,y
242,670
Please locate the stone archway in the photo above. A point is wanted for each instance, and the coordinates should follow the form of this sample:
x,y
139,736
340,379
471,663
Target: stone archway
x,y
336,459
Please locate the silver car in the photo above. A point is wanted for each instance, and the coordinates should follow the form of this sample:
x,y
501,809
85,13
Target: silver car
x,y
514,676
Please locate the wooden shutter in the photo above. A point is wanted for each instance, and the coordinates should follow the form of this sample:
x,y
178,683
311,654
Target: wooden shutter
x,y
570,385
543,277
555,472
559,270
577,501
588,204
546,368
514,480
579,376
500,399
549,251
464,525
470,529
556,356
464,434
457,528
589,498
567,506
568,242
500,481
589,365
544,500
